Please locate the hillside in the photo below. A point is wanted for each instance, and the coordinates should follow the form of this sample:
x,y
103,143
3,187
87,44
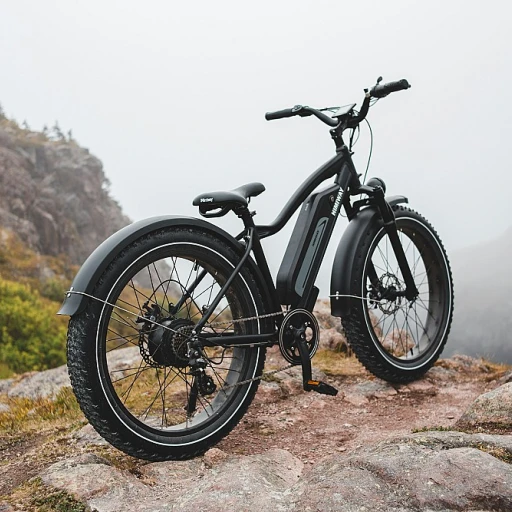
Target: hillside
x,y
482,324
55,209
54,194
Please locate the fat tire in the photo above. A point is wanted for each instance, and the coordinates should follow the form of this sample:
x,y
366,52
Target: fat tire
x,y
82,363
355,324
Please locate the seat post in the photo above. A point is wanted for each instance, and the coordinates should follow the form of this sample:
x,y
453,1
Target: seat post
x,y
243,213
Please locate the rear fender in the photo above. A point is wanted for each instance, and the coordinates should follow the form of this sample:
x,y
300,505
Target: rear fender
x,y
94,266
341,278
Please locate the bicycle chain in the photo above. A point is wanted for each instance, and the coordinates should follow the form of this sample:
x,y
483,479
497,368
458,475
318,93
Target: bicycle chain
x,y
215,324
249,319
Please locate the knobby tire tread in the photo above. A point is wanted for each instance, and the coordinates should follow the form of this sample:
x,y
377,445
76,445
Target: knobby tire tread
x,y
90,396
357,333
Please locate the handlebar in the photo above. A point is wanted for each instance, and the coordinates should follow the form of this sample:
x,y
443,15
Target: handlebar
x,y
377,91
280,114
302,111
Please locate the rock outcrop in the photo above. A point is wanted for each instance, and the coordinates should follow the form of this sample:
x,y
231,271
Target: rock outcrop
x,y
428,470
490,410
54,195
48,383
425,471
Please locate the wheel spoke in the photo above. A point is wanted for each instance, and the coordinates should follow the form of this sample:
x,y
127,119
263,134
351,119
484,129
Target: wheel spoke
x,y
404,329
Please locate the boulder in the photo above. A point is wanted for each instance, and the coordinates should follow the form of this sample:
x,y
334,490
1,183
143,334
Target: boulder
x,y
432,471
41,384
48,383
490,410
217,483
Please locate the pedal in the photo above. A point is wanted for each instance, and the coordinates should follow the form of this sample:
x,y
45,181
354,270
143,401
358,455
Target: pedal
x,y
321,387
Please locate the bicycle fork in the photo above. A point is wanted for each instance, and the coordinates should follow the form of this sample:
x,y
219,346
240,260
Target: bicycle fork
x,y
388,217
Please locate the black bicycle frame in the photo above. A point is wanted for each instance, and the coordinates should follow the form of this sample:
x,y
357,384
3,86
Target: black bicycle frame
x,y
308,243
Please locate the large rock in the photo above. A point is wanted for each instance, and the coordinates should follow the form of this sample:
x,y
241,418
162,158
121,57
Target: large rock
x,y
48,383
434,471
45,384
54,195
256,482
426,471
331,333
490,410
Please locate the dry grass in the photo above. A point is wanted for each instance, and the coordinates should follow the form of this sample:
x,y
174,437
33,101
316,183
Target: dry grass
x,y
26,416
338,364
500,453
34,496
465,365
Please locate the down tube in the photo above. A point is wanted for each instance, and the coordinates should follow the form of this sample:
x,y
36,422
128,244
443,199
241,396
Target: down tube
x,y
309,240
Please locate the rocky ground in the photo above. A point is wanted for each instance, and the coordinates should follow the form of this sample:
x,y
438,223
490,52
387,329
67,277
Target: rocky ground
x,y
441,443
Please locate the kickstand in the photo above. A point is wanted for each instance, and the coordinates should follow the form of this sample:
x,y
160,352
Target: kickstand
x,y
307,377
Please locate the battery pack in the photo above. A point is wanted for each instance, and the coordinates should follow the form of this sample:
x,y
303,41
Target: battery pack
x,y
307,245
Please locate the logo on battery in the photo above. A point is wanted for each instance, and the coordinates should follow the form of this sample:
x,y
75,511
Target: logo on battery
x,y
337,203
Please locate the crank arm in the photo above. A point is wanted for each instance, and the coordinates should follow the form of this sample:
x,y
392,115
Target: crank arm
x,y
307,378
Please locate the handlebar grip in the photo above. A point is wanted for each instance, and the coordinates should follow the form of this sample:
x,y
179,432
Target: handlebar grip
x,y
379,91
280,114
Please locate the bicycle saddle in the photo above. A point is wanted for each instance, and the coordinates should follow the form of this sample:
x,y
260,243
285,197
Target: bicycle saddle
x,y
228,199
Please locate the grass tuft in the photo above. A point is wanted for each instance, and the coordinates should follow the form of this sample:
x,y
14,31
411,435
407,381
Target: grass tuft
x,y
34,496
25,415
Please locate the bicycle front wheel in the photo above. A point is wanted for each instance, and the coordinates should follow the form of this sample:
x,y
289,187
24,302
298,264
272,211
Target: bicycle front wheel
x,y
128,351
398,339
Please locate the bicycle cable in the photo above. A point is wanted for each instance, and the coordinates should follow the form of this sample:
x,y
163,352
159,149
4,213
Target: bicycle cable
x,y
371,149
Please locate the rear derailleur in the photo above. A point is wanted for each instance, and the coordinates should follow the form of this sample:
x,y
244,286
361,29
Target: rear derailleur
x,y
202,383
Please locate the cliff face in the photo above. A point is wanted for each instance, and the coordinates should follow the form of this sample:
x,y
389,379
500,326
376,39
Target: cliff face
x,y
54,194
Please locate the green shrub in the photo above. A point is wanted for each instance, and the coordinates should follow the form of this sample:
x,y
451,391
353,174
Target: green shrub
x,y
54,289
32,337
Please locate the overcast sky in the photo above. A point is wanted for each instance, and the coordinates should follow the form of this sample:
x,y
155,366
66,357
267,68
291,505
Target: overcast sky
x,y
171,97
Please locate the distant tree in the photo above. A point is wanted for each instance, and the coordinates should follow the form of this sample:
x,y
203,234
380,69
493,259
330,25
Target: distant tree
x,y
70,136
2,113
45,131
105,184
25,125
57,132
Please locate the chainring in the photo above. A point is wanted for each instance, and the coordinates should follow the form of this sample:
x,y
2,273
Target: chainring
x,y
293,323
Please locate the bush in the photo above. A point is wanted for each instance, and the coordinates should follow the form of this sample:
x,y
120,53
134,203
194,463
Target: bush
x,y
32,337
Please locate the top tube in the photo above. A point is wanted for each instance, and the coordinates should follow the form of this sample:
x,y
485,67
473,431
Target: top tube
x,y
326,171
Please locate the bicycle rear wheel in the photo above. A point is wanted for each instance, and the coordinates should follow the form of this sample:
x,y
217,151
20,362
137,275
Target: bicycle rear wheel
x,y
397,339
127,352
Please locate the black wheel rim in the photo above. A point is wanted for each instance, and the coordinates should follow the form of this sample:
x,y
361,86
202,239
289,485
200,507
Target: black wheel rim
x,y
408,333
150,395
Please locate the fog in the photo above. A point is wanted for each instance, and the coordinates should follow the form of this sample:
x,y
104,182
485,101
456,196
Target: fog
x,y
172,95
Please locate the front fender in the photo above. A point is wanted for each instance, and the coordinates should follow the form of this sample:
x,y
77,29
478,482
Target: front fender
x,y
104,254
359,227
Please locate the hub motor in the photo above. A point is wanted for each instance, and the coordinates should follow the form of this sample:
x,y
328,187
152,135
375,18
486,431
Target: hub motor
x,y
167,343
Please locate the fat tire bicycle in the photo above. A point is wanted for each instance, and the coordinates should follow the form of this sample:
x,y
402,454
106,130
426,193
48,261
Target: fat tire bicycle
x,y
171,316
